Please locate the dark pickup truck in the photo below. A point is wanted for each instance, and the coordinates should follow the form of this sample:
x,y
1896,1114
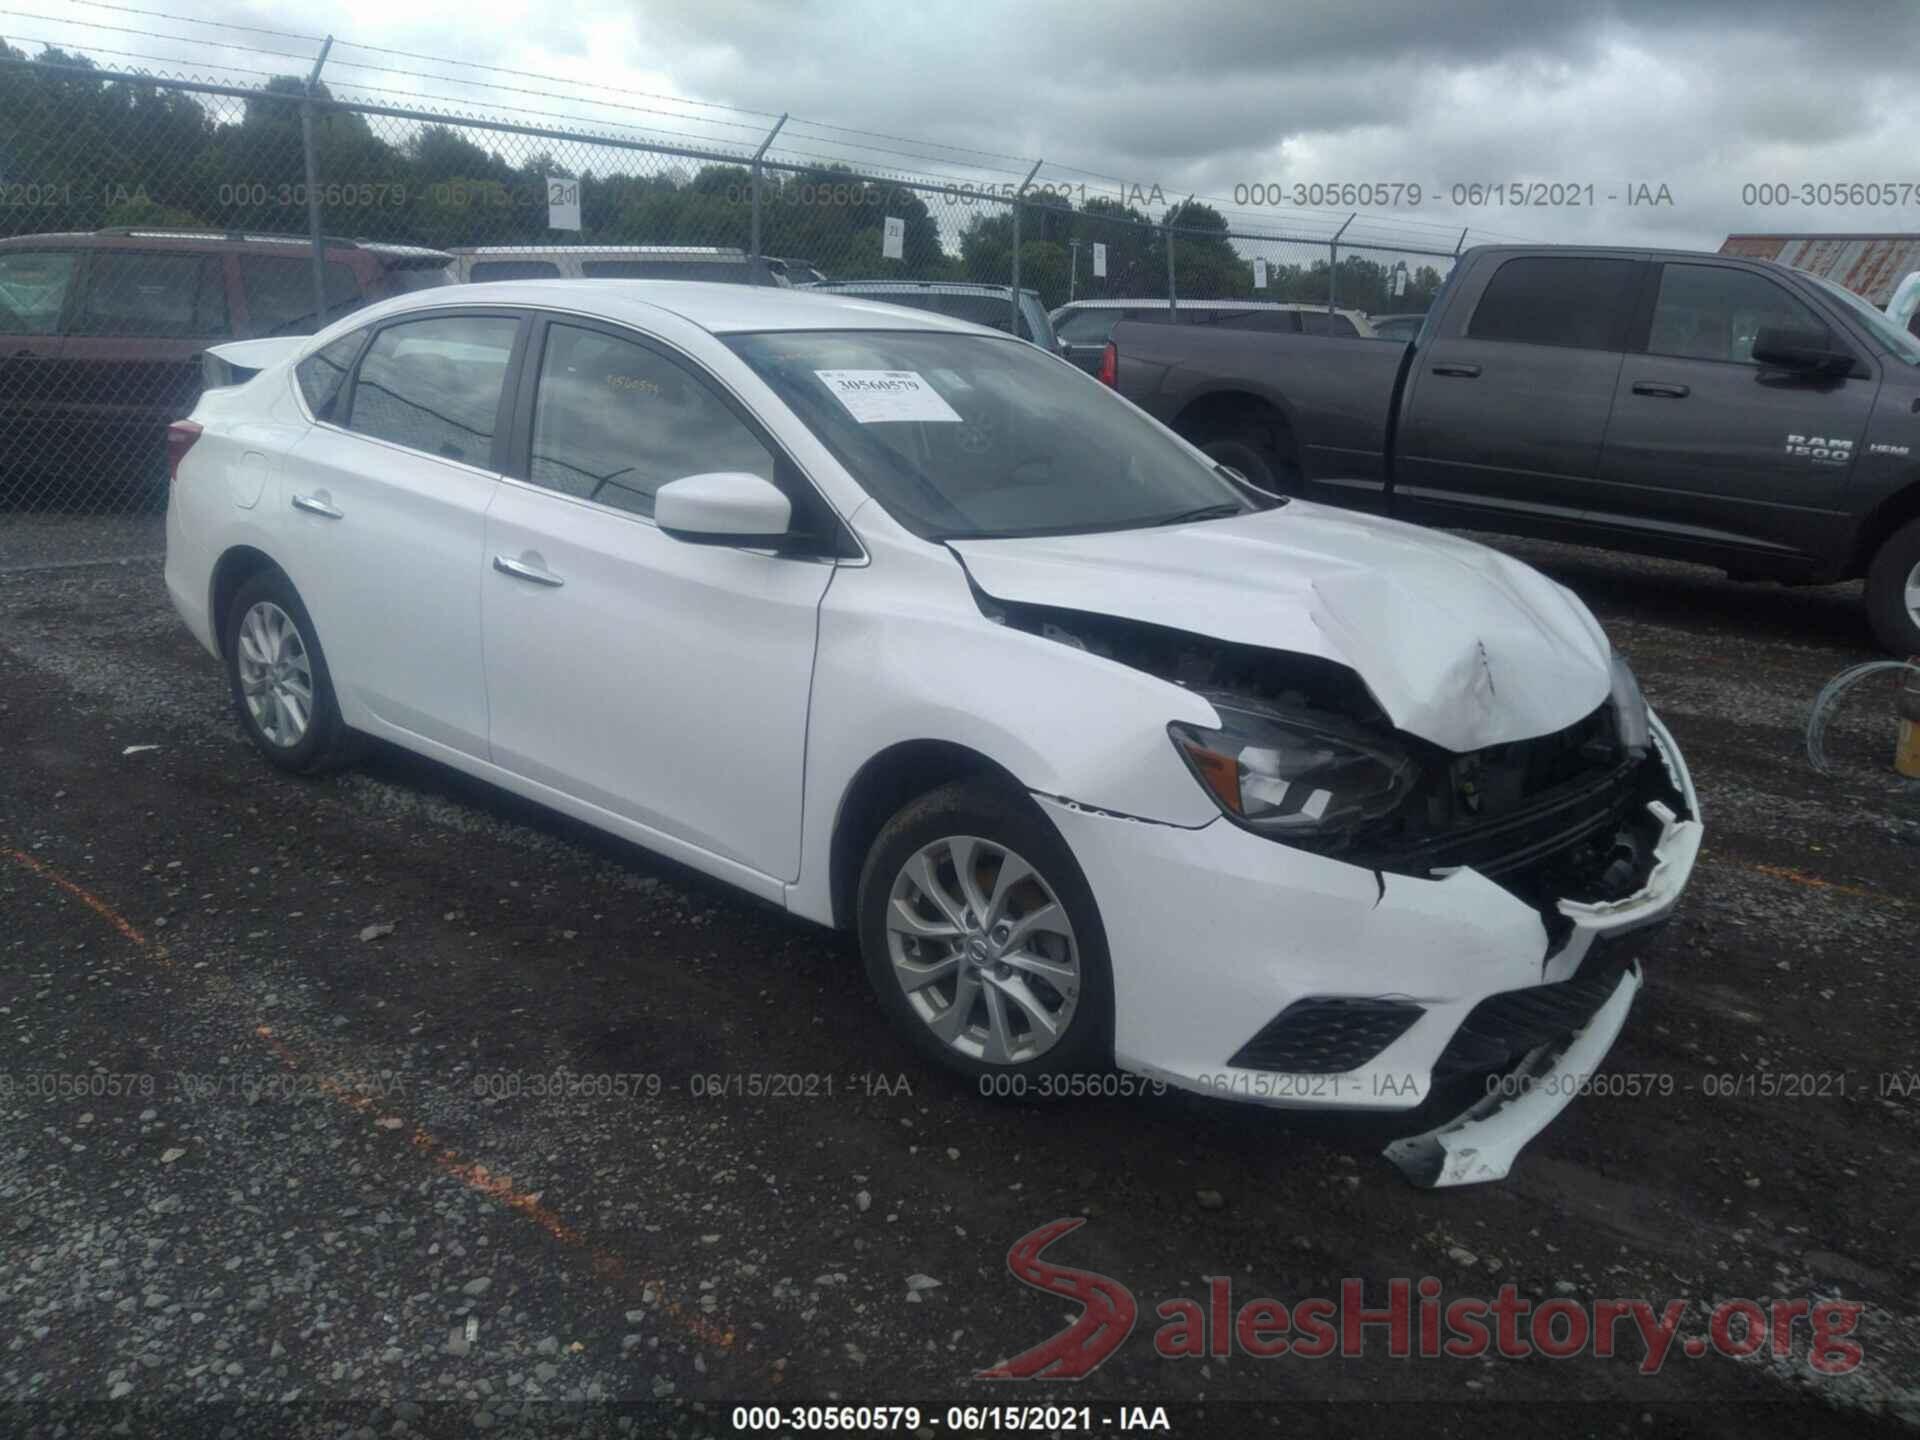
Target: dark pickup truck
x,y
1733,412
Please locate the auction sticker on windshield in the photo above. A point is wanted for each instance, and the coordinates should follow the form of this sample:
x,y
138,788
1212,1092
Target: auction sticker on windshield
x,y
875,396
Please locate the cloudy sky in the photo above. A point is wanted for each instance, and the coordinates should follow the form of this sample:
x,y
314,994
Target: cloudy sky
x,y
1700,98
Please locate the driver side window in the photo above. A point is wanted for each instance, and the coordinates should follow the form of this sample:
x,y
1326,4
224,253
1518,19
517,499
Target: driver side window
x,y
1713,312
614,421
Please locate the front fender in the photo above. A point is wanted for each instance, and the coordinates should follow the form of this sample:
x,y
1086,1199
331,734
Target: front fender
x,y
900,661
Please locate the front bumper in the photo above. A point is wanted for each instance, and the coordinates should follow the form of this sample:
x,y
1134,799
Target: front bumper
x,y
1213,931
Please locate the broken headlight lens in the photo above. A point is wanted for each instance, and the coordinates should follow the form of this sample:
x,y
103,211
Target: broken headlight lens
x,y
1292,777
1629,709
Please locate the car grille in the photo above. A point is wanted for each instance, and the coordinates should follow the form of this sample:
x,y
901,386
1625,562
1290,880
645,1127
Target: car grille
x,y
1504,1027
1562,816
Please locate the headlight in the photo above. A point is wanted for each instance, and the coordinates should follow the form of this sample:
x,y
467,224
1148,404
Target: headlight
x,y
1292,777
1630,709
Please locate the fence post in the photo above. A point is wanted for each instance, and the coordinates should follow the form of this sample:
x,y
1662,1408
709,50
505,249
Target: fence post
x,y
1018,206
1458,243
1333,269
313,190
1173,306
754,267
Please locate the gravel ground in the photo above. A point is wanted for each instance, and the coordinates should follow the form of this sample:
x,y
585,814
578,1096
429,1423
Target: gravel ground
x,y
272,1125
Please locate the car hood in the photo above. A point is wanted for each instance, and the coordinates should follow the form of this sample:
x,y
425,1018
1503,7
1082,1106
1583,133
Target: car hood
x,y
1459,644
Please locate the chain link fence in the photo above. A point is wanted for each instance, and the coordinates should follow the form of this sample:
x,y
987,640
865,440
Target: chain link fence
x,y
144,219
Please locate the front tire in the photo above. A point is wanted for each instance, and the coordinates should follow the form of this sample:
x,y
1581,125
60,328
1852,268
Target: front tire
x,y
279,678
1893,592
981,938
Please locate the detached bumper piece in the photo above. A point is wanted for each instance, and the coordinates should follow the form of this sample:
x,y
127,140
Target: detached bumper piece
x,y
1482,1143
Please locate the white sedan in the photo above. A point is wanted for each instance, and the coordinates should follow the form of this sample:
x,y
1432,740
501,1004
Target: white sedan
x,y
1108,758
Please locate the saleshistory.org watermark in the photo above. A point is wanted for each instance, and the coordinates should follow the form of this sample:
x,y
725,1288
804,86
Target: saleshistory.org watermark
x,y
1413,1319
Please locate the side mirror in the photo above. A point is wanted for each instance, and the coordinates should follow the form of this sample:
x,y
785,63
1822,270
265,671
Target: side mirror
x,y
1807,352
723,507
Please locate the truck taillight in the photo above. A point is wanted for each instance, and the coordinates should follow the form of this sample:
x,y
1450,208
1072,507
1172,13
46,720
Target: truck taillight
x,y
180,437
1109,372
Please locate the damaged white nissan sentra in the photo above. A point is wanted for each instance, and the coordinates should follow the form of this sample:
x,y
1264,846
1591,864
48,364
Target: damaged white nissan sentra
x,y
916,630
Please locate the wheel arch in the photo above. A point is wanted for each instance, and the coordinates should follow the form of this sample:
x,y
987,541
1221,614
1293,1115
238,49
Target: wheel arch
x,y
1896,510
237,565
896,776
1229,405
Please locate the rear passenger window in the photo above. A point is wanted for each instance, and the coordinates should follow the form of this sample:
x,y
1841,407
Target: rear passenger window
x,y
1280,322
1088,327
128,292
279,293
322,374
434,385
1581,303
514,270
1319,322
614,421
33,287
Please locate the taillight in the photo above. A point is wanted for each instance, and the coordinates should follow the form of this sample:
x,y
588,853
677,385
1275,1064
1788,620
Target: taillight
x,y
180,437
1109,371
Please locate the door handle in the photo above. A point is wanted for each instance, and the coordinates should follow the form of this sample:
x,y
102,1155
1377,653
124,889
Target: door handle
x,y
1458,369
520,570
314,505
1661,388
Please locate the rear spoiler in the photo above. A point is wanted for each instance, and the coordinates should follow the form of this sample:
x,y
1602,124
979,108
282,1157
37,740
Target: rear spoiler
x,y
238,361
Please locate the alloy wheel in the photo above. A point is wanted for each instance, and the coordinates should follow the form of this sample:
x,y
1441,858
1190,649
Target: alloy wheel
x,y
983,950
276,674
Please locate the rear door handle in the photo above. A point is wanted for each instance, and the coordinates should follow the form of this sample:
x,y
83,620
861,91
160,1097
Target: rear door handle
x,y
520,570
1457,369
1661,388
314,505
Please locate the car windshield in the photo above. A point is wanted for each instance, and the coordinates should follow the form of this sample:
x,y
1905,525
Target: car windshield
x,y
970,437
1902,344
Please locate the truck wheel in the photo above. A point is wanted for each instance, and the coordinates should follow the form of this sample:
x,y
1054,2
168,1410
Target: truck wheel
x,y
1255,454
1893,592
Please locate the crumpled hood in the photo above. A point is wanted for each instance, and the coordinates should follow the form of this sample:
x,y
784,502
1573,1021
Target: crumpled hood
x,y
1459,644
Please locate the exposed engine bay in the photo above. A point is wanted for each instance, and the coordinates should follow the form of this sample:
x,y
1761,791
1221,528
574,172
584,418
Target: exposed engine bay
x,y
1558,816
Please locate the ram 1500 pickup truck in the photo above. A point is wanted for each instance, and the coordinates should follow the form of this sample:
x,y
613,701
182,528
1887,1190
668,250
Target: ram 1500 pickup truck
x,y
1708,408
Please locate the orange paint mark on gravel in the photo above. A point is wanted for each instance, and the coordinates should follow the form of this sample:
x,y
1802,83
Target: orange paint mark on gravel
x,y
444,1158
93,902
1800,877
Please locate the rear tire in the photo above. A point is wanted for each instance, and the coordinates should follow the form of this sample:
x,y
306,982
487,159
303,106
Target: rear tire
x,y
1002,973
281,686
1893,592
1263,456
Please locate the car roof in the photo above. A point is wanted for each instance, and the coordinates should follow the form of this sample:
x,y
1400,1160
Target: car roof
x,y
1148,302
718,308
244,241
543,252
924,287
